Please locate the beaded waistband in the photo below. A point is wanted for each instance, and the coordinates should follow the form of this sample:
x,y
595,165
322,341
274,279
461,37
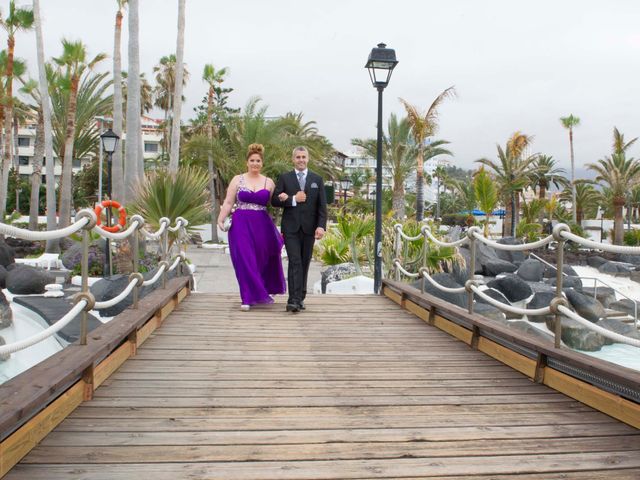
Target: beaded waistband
x,y
249,206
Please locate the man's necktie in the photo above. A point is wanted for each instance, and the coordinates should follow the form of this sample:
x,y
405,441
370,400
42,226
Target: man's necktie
x,y
301,180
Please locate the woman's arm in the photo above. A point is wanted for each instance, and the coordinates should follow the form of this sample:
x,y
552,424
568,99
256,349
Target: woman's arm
x,y
229,200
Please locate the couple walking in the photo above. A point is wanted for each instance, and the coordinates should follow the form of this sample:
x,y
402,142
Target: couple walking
x,y
254,241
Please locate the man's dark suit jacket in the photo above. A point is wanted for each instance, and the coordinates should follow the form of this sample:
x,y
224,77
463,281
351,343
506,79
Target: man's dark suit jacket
x,y
307,215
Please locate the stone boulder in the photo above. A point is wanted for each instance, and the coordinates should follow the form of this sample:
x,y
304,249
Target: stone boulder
x,y
335,273
531,270
3,277
541,287
512,286
490,312
7,254
628,330
527,328
461,273
605,295
516,257
26,280
617,269
495,266
568,282
628,258
624,305
575,336
24,248
73,255
446,280
595,261
541,300
497,295
551,272
585,306
6,314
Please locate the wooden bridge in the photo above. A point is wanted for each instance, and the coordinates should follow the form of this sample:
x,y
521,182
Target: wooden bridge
x,y
355,387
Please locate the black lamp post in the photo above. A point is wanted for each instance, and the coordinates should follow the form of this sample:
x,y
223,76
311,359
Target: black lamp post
x,y
109,144
380,64
345,183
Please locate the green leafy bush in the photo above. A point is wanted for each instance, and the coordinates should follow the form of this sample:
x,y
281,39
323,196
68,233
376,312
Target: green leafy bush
x,y
632,237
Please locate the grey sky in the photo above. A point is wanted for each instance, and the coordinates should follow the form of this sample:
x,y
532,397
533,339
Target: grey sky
x,y
516,65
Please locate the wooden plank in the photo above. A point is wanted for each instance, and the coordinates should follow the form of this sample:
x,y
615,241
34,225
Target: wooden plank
x,y
417,310
453,329
617,407
182,294
110,364
167,309
147,329
16,446
395,296
508,357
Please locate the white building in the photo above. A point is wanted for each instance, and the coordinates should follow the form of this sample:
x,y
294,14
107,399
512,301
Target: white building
x,y
151,135
358,159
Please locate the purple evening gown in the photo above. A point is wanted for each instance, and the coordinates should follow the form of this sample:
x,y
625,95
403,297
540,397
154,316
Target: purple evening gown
x,y
255,245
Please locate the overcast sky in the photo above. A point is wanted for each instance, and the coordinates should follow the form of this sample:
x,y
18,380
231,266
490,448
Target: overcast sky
x,y
516,65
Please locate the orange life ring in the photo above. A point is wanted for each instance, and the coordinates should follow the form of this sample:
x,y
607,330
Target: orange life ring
x,y
122,218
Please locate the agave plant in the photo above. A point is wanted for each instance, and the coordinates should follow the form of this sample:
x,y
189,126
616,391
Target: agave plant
x,y
181,194
355,229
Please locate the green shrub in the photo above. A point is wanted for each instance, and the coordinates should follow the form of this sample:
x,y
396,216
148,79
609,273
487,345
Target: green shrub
x,y
632,237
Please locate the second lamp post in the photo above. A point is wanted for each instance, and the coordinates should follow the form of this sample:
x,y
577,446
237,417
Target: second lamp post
x,y
109,144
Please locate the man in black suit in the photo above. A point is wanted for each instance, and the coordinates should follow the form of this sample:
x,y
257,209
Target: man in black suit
x,y
301,193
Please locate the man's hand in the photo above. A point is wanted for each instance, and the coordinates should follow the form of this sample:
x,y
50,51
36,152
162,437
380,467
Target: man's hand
x,y
283,197
301,197
319,233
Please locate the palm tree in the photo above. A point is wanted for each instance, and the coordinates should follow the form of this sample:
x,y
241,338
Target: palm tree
x,y
587,198
546,174
17,20
213,78
52,246
621,174
619,144
177,94
568,123
512,173
133,165
486,195
165,73
422,127
30,88
117,168
74,61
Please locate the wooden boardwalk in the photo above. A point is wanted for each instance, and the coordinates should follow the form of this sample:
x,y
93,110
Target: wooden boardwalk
x,y
354,387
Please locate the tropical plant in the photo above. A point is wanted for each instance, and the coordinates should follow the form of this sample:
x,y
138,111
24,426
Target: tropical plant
x,y
569,123
174,157
486,194
333,249
166,194
546,174
632,237
133,161
424,126
354,229
586,201
117,167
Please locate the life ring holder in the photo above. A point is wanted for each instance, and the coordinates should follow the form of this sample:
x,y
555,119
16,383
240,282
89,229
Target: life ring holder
x,y
122,218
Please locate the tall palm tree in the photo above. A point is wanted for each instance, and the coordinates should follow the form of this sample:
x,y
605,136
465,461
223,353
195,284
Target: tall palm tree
x,y
177,94
619,143
52,246
621,175
212,78
117,167
546,174
165,75
133,171
75,63
30,88
424,126
512,173
19,19
569,123
587,199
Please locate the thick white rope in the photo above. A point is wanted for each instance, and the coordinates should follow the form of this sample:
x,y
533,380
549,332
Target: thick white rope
x,y
513,248
118,235
164,224
398,228
46,333
26,234
509,308
597,328
601,246
156,276
180,223
427,232
176,261
405,272
442,287
117,299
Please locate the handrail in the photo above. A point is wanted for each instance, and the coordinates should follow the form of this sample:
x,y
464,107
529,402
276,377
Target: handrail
x,y
558,306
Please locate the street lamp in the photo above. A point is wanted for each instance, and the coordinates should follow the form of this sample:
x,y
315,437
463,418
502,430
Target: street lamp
x,y
109,144
345,184
380,64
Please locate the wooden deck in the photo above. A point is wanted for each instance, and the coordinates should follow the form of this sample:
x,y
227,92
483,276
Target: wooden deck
x,y
354,387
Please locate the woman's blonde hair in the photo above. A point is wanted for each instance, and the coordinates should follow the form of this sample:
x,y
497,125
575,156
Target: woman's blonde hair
x,y
255,148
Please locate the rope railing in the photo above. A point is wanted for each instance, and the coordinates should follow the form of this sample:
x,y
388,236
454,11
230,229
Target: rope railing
x,y
86,221
561,234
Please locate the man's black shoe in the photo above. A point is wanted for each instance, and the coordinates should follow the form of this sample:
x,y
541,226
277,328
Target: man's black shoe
x,y
293,307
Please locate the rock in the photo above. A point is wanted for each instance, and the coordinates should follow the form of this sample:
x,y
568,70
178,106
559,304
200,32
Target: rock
x,y
618,327
585,306
624,305
108,288
512,286
531,270
26,280
461,273
336,273
540,300
541,287
617,269
24,248
605,295
568,282
446,280
6,314
496,295
516,257
71,257
635,276
490,312
3,277
551,272
4,356
7,254
484,253
495,266
574,335
527,328
628,258
595,261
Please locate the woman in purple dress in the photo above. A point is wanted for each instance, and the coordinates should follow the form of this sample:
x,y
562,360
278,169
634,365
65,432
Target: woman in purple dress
x,y
254,241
